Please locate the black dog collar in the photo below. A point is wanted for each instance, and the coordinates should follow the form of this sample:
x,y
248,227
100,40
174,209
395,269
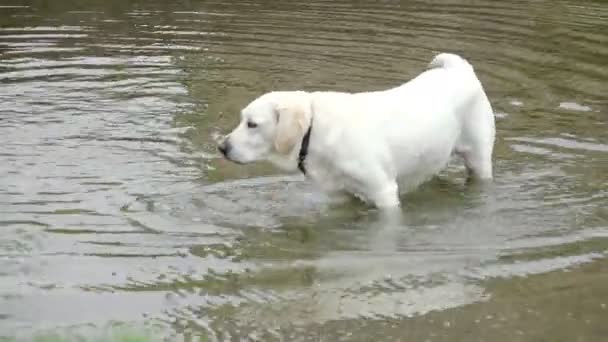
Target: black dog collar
x,y
304,149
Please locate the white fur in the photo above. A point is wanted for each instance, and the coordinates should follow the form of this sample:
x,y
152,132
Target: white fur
x,y
375,144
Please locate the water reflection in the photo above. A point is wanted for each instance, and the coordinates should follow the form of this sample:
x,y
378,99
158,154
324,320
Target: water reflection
x,y
112,195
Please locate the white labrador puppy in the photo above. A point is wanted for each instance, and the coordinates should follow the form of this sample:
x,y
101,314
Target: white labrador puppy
x,y
377,144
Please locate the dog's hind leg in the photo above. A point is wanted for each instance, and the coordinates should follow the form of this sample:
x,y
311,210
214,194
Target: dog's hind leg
x,y
477,142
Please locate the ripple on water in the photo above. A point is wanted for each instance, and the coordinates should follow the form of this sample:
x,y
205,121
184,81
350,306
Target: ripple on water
x,y
112,195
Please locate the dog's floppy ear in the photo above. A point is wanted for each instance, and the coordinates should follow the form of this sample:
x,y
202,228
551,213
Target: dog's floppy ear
x,y
293,117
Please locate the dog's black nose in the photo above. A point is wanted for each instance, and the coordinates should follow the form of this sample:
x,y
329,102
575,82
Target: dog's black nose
x,y
224,148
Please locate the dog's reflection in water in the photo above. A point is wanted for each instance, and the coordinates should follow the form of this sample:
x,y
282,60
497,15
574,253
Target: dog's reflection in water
x,y
385,230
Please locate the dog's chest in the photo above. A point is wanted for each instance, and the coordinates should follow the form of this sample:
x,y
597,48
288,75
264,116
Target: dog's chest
x,y
331,179
326,176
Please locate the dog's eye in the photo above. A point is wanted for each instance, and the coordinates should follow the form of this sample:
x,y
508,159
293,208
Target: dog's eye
x,y
251,124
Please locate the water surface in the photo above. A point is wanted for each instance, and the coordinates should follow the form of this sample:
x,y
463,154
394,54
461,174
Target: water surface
x,y
116,210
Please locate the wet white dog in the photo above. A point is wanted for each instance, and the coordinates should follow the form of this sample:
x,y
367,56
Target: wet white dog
x,y
377,144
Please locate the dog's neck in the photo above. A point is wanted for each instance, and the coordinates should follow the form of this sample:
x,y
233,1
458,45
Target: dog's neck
x,y
296,158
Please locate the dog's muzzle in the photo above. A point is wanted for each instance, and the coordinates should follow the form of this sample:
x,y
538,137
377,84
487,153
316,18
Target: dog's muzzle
x,y
224,147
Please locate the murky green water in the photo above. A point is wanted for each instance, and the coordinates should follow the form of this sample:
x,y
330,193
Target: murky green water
x,y
116,211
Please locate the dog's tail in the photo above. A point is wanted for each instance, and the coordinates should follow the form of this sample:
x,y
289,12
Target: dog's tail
x,y
449,60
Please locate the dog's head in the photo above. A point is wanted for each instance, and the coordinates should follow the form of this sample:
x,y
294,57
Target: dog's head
x,y
271,126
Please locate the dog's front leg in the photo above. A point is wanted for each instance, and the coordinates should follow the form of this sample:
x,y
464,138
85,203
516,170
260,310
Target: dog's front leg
x,y
373,185
384,195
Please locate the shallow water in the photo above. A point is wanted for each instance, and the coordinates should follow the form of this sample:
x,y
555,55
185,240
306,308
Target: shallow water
x,y
116,210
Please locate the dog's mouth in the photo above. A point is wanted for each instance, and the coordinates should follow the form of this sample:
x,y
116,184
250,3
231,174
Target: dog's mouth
x,y
228,154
